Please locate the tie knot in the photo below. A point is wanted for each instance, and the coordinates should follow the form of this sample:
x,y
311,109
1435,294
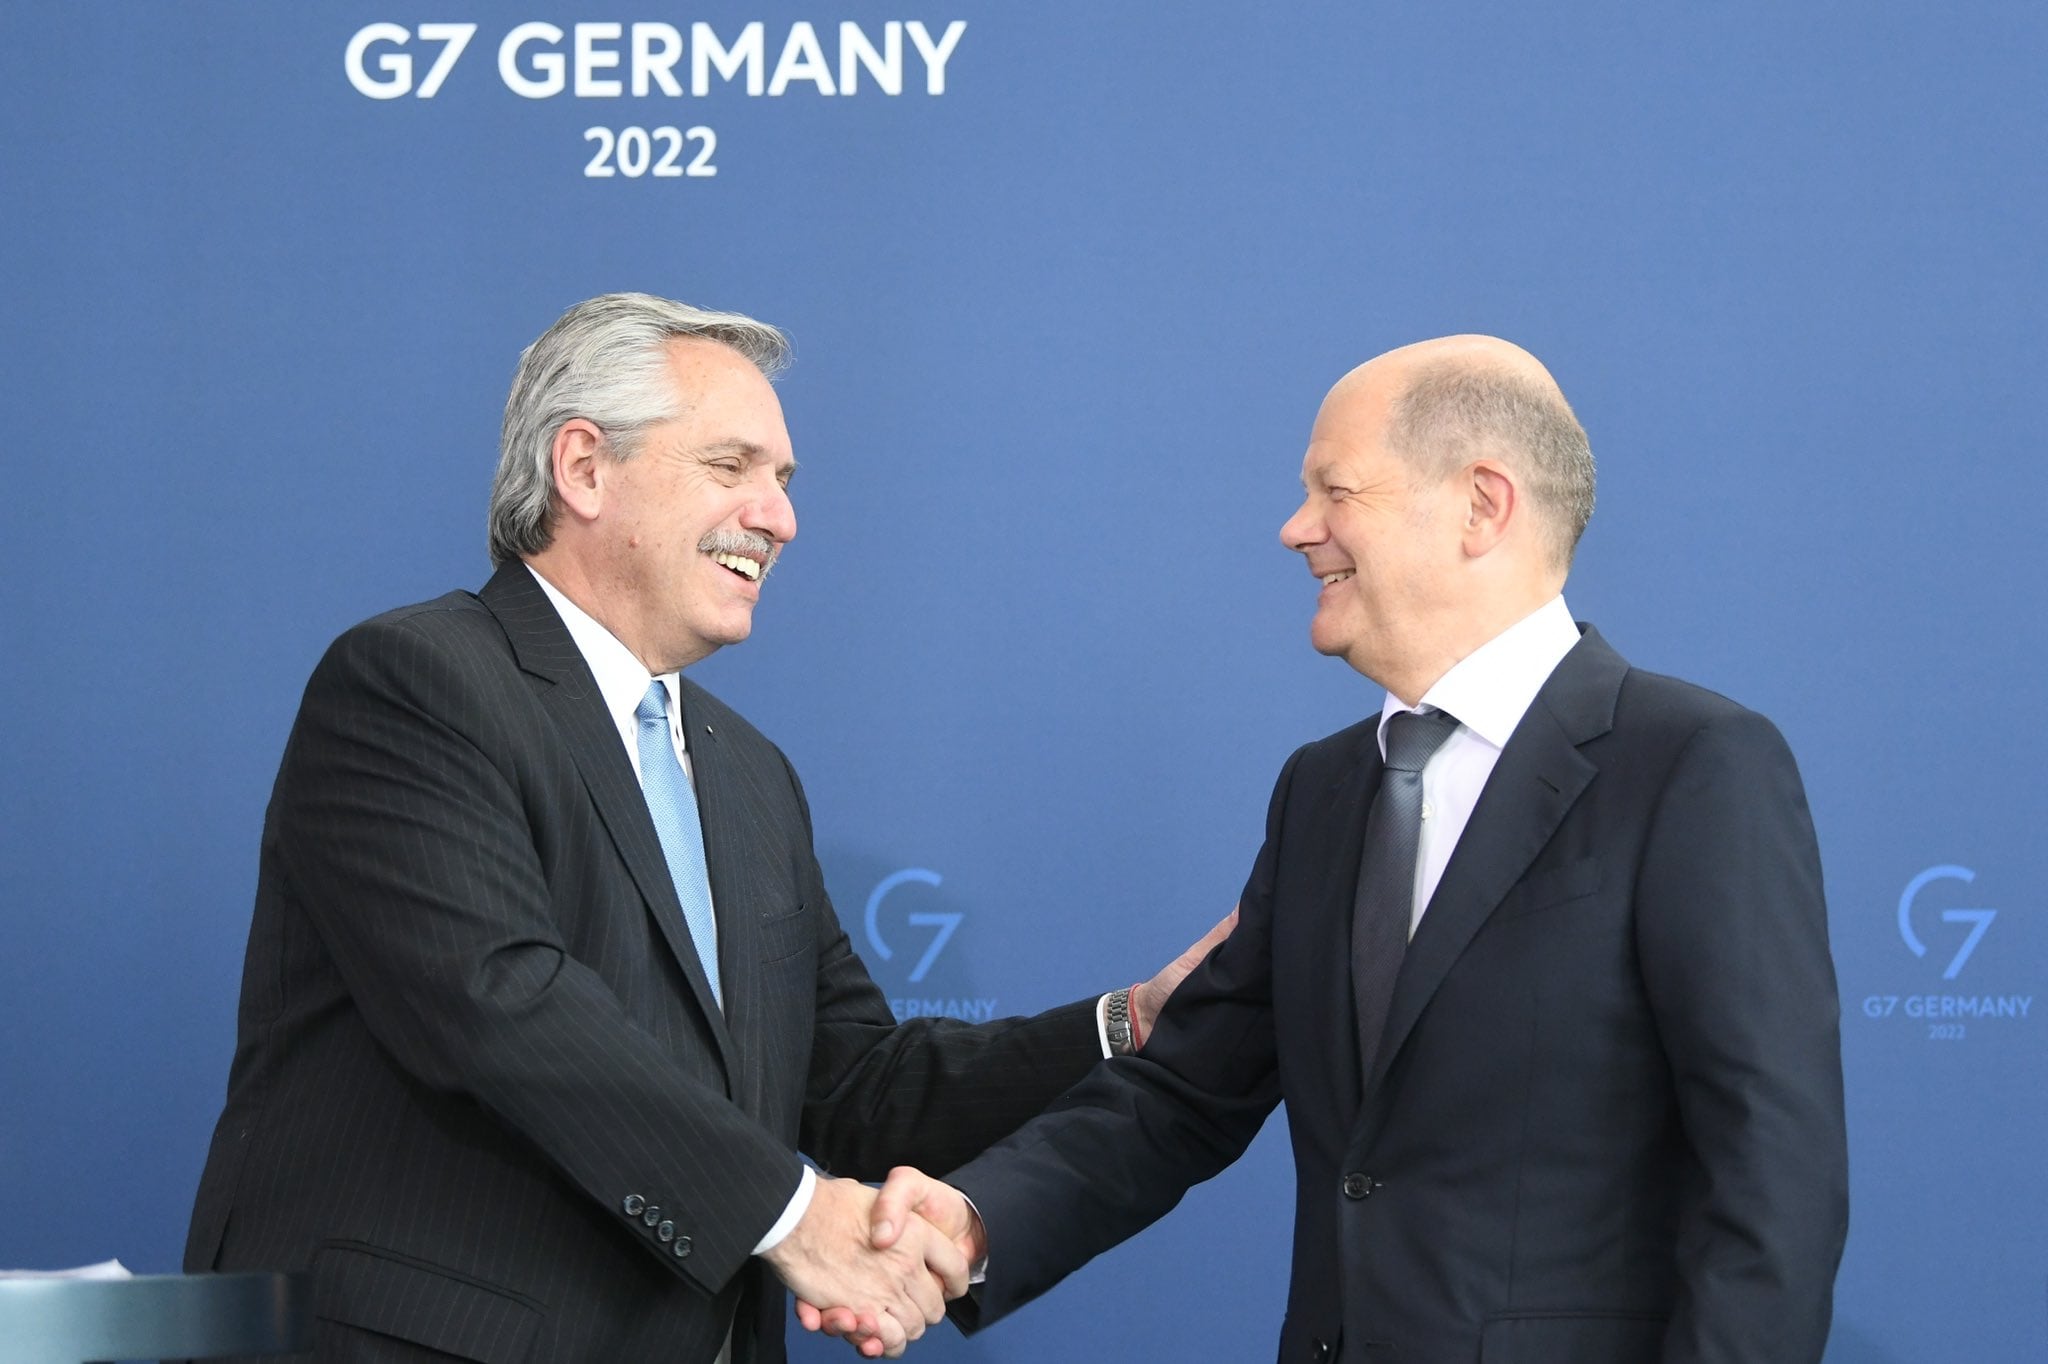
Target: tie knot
x,y
1413,738
653,707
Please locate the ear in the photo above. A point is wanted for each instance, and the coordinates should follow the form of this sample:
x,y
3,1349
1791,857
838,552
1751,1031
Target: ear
x,y
577,459
1492,501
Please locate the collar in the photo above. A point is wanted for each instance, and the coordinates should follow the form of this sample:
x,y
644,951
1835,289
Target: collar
x,y
621,678
1491,688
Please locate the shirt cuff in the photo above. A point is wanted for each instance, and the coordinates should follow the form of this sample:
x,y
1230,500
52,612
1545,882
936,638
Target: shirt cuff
x,y
1102,1023
799,1204
977,1273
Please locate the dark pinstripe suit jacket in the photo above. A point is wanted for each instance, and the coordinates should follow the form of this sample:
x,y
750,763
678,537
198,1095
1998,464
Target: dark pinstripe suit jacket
x,y
479,1086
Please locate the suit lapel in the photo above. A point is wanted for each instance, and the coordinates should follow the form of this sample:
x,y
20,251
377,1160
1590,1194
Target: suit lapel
x,y
1327,974
545,651
1539,777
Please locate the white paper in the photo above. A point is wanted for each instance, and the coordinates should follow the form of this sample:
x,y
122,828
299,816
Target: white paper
x,y
105,1269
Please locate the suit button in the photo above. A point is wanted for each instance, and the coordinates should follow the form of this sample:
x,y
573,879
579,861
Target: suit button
x,y
633,1204
651,1216
681,1249
665,1232
1357,1185
1319,1351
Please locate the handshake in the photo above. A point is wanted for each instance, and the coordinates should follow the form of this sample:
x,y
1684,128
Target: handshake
x,y
877,1268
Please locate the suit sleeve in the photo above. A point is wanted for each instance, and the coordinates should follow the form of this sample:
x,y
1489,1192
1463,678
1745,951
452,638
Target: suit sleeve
x,y
413,849
1732,932
929,1092
1118,1151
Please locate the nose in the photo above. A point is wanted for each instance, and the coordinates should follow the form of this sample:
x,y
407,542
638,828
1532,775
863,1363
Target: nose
x,y
771,513
1303,531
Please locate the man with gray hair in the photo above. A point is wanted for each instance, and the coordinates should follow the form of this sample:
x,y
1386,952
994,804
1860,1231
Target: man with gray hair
x,y
544,992
1536,957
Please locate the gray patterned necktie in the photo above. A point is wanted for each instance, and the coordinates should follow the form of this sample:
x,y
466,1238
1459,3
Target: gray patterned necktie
x,y
1386,873
673,804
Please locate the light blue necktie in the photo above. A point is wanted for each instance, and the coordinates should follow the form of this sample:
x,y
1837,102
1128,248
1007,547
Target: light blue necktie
x,y
674,807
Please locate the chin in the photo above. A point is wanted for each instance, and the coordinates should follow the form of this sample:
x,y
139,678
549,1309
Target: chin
x,y
698,642
1323,643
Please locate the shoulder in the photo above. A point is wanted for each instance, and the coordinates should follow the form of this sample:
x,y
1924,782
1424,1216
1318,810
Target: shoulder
x,y
413,647
1326,762
1338,750
1655,703
1667,730
452,614
1597,694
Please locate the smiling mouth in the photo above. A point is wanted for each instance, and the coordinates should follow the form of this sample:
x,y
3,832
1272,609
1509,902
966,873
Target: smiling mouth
x,y
1332,579
750,569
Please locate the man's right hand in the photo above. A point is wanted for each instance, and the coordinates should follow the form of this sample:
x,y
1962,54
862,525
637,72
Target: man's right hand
x,y
912,1194
889,1292
912,1206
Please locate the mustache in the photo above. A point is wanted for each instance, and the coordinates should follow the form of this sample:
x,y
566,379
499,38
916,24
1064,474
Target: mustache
x,y
751,543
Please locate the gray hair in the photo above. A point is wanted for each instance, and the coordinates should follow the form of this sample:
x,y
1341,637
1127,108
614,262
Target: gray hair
x,y
1453,412
606,361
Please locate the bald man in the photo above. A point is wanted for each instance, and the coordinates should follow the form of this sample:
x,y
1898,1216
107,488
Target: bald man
x,y
1536,956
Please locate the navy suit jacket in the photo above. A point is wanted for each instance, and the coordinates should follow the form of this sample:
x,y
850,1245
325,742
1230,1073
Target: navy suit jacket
x,y
480,1086
1605,1125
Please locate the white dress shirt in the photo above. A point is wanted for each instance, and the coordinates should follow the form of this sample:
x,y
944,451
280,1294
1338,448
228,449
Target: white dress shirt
x,y
1489,691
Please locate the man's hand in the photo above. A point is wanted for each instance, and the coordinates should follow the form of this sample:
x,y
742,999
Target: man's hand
x,y
1149,998
886,1295
912,1204
912,1195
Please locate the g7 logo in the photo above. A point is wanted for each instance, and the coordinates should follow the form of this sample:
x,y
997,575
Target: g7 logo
x,y
1980,918
944,922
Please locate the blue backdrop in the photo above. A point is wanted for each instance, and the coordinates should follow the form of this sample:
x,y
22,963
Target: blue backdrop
x,y
1062,323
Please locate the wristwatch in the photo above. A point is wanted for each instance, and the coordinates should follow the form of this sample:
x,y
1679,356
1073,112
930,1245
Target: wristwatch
x,y
1116,1022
